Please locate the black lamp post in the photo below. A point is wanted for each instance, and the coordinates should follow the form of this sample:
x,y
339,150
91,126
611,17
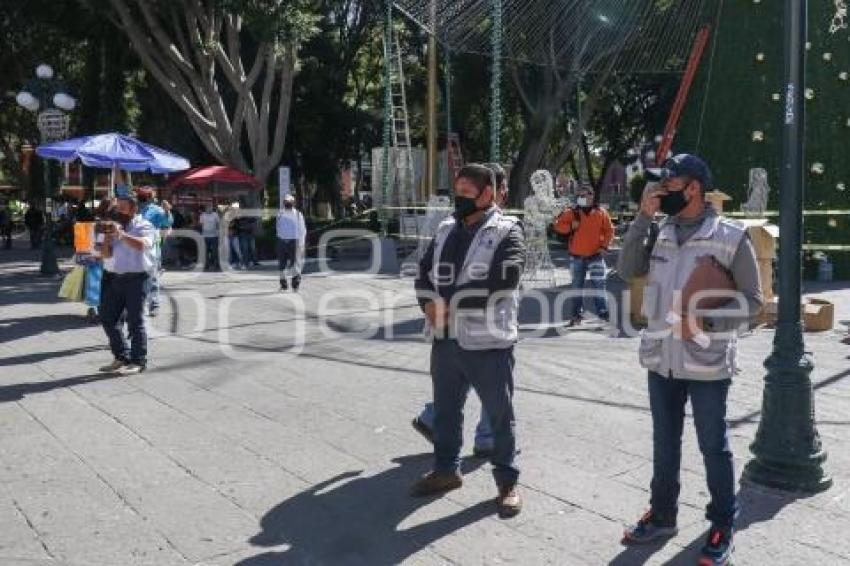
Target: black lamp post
x,y
787,449
48,97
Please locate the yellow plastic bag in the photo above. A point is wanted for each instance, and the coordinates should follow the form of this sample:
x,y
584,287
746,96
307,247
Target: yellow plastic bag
x,y
73,285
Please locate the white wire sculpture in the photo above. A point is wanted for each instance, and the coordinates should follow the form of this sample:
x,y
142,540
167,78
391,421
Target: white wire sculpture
x,y
757,193
839,20
540,210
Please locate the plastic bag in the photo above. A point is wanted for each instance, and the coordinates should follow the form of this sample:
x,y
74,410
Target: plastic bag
x,y
73,285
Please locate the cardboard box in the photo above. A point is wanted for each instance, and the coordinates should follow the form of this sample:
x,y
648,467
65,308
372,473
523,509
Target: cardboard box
x,y
717,198
637,287
764,236
817,315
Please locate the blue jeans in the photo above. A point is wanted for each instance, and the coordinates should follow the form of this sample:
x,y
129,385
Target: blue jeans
x,y
483,432
581,268
153,283
247,250
667,398
120,294
490,372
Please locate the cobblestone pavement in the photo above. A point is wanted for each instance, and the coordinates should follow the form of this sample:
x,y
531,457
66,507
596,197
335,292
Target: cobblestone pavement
x,y
231,449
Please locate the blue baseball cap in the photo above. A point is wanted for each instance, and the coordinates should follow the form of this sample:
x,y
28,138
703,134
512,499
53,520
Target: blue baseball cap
x,y
684,165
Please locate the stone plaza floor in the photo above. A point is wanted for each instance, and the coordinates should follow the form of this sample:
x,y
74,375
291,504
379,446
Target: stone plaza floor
x,y
244,445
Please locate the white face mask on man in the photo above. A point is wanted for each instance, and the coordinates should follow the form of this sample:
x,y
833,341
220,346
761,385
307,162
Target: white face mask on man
x,y
582,201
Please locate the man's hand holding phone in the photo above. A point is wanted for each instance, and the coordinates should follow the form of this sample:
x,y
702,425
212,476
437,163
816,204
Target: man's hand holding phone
x,y
650,203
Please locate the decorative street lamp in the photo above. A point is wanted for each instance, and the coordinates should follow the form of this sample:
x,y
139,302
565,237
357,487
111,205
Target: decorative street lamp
x,y
48,96
788,451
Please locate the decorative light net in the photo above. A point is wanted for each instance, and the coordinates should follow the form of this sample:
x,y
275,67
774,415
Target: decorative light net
x,y
643,35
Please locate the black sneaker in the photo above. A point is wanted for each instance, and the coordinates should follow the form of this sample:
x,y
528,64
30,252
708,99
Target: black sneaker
x,y
482,452
718,547
648,528
423,429
283,285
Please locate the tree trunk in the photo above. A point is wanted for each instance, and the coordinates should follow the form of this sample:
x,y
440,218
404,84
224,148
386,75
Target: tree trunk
x,y
191,48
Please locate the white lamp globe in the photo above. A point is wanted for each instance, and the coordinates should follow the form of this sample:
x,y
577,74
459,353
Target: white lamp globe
x,y
64,101
24,99
44,71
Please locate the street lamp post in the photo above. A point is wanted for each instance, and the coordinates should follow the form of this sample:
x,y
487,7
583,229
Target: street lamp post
x,y
48,97
787,449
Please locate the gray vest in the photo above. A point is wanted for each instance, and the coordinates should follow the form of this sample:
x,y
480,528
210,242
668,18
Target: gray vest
x,y
495,327
670,267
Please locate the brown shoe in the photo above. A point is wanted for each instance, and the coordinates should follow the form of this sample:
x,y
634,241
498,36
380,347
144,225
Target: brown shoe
x,y
509,502
434,483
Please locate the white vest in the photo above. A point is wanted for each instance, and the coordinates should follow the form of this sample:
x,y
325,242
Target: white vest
x,y
670,268
495,327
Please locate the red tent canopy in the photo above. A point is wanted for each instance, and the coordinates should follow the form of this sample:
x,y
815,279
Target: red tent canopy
x,y
203,176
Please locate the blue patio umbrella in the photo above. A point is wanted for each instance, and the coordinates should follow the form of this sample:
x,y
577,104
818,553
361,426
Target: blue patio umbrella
x,y
115,152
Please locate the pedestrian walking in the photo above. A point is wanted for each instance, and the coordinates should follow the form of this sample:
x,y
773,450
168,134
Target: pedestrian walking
x,y
679,366
6,225
468,290
160,218
423,423
291,238
34,221
590,233
129,260
210,228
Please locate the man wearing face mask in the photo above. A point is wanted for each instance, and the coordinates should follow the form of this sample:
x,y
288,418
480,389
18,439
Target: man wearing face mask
x,y
467,289
129,242
591,232
424,422
679,366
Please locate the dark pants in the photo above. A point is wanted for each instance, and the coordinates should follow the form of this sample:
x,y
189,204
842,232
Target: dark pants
x,y
35,237
490,372
212,252
667,398
246,247
6,235
287,259
125,293
581,268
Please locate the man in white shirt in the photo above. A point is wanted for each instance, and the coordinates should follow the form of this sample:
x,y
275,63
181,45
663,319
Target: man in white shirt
x,y
291,236
130,250
210,226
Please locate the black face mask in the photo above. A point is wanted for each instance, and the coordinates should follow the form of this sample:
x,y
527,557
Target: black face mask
x,y
465,206
287,205
674,202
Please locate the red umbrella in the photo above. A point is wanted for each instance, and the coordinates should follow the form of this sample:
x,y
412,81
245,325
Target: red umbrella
x,y
203,176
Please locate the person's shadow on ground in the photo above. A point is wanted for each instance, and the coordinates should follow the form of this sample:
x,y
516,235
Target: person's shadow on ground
x,y
19,328
353,520
757,506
